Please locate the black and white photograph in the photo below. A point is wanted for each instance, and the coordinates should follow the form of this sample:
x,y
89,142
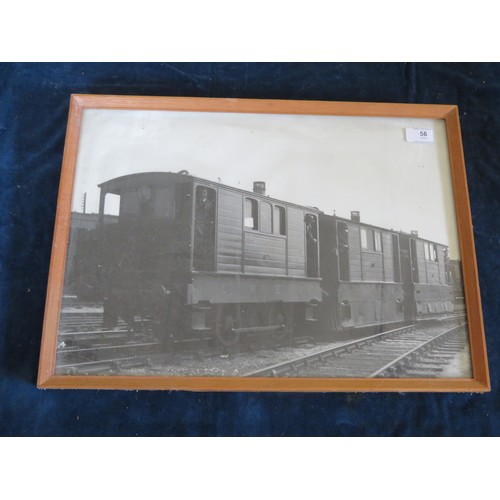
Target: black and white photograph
x,y
215,244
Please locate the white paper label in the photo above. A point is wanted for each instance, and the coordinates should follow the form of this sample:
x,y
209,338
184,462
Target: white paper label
x,y
419,135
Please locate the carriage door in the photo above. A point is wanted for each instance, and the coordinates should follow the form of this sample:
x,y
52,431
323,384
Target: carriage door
x,y
204,229
414,261
406,276
343,245
311,223
396,262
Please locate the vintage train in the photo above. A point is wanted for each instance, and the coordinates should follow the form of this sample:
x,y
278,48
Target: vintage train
x,y
198,257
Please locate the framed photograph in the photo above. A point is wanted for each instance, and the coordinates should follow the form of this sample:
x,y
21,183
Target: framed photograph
x,y
262,245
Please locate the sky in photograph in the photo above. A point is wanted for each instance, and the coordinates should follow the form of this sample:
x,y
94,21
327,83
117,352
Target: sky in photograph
x,y
333,163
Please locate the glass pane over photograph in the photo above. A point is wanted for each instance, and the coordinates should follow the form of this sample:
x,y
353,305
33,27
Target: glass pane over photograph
x,y
261,245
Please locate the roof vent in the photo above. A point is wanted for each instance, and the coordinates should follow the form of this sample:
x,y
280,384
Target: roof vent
x,y
414,233
355,216
259,187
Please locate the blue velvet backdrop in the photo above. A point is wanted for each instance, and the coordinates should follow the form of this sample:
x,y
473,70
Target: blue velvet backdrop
x,y
34,102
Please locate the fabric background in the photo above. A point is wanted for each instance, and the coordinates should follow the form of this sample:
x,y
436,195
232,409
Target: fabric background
x,y
34,101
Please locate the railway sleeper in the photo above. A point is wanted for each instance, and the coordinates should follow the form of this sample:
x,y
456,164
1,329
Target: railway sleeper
x,y
456,344
424,372
393,371
283,371
430,364
435,369
118,365
442,356
326,355
93,369
445,350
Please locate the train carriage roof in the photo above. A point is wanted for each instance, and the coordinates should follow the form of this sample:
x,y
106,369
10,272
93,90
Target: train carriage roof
x,y
116,185
380,228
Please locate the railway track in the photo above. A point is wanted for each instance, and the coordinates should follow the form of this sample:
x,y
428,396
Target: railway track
x,y
109,348
411,351
85,347
83,342
418,350
89,321
102,352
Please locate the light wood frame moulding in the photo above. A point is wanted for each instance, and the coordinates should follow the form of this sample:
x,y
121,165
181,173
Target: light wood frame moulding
x,y
479,382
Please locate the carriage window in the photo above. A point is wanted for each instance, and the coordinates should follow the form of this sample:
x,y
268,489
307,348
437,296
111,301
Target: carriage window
x,y
111,208
266,217
279,225
251,214
430,251
367,239
148,202
433,252
129,203
378,241
364,239
164,203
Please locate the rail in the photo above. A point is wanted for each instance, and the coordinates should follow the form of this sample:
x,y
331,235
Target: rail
x,y
393,364
303,363
277,369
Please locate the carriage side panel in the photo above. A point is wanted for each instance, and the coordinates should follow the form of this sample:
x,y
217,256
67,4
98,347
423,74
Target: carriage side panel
x,y
422,275
296,242
372,266
229,232
388,256
433,277
265,254
354,252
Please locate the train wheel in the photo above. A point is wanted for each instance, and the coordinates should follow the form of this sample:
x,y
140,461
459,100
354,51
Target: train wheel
x,y
225,325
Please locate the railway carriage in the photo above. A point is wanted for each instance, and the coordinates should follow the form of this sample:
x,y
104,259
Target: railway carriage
x,y
432,288
373,276
361,274
198,257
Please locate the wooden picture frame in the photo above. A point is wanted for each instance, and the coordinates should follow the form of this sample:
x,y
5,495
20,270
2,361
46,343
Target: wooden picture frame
x,y
80,104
